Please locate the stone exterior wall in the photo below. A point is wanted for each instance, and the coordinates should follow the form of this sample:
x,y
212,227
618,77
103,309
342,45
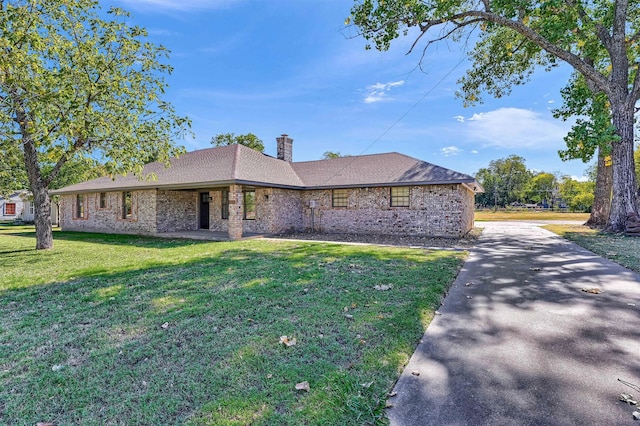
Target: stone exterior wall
x,y
277,210
285,210
109,219
434,210
177,211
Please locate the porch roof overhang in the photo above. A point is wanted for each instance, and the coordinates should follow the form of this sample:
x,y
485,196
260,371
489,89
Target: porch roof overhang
x,y
470,184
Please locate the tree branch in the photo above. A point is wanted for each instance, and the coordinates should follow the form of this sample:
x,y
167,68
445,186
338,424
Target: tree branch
x,y
582,66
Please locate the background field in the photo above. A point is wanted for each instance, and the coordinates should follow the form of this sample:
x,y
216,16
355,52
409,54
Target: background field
x,y
490,215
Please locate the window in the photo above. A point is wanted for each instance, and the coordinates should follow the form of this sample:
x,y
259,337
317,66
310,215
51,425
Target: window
x,y
103,200
10,209
32,209
127,205
340,198
400,197
225,204
249,205
79,206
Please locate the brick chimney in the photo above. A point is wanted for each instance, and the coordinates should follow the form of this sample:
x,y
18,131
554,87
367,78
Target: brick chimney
x,y
285,148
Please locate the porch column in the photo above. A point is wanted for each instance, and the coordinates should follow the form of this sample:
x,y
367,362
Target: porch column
x,y
235,212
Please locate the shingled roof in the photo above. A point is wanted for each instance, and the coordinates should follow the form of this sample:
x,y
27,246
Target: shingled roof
x,y
221,166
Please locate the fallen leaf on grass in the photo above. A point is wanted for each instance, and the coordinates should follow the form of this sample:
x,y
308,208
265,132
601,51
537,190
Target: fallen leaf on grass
x,y
593,290
628,398
383,287
366,385
392,394
165,325
287,341
45,424
350,317
388,404
303,386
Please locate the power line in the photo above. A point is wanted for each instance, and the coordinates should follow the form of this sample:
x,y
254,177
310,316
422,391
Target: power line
x,y
395,123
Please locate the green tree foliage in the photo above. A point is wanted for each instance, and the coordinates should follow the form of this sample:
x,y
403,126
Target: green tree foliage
x,y
578,196
505,182
600,40
75,85
541,188
332,154
13,176
249,140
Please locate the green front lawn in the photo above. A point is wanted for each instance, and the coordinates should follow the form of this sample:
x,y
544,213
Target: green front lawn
x,y
128,330
622,249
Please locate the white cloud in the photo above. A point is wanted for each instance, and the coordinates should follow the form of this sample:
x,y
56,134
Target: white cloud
x,y
450,151
459,118
474,151
517,128
580,179
380,91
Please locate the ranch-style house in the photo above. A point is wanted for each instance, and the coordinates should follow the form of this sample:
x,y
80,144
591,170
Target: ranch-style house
x,y
240,191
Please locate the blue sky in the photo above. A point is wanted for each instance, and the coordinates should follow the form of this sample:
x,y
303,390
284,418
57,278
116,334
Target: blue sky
x,y
288,66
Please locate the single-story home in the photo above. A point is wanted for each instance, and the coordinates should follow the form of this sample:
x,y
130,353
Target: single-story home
x,y
238,190
19,207
13,206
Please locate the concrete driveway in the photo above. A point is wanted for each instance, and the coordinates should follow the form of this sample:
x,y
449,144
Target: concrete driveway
x,y
519,343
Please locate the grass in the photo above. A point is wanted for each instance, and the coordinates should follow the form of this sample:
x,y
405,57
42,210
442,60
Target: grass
x,y
619,248
490,215
113,329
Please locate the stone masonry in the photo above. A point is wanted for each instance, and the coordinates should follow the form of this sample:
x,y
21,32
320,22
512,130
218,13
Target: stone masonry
x,y
434,210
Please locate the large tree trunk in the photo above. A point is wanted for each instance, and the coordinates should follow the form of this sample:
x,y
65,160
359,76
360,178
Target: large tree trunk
x,y
602,195
624,178
41,200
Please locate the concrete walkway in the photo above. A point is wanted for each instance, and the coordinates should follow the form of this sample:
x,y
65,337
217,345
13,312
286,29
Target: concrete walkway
x,y
519,343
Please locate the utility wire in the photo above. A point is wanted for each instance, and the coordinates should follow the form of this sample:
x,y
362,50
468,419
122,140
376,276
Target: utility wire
x,y
395,123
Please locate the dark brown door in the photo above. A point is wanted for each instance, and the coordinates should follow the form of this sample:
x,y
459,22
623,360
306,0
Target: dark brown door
x,y
204,210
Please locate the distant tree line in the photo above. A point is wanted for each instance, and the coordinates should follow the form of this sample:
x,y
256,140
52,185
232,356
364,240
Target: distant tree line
x,y
508,183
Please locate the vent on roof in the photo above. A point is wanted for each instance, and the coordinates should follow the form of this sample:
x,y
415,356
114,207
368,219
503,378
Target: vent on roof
x,y
285,148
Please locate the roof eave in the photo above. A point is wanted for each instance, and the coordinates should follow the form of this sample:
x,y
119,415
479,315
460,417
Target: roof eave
x,y
178,187
390,184
471,184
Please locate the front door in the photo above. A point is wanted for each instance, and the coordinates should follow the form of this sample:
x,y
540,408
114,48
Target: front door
x,y
204,210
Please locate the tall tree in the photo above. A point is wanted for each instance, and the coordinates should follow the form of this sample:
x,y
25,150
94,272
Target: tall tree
x,y
598,39
541,188
578,196
249,140
592,134
73,85
504,181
